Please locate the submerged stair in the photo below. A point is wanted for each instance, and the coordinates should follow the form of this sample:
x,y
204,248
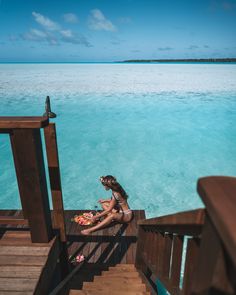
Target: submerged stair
x,y
120,279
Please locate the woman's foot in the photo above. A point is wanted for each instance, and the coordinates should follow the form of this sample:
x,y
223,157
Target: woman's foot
x,y
85,232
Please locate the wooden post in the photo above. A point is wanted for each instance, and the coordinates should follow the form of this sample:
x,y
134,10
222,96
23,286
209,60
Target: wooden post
x,y
176,263
167,256
56,191
159,263
55,179
139,263
212,271
30,171
190,264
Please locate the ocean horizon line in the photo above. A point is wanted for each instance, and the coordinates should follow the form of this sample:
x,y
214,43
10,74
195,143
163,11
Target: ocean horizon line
x,y
187,60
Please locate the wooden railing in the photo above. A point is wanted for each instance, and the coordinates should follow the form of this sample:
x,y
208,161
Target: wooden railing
x,y
160,247
27,152
210,257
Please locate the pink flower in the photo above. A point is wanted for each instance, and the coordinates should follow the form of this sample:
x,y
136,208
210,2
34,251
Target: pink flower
x,y
79,258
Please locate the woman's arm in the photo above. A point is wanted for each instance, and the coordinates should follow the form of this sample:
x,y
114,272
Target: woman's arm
x,y
108,210
103,201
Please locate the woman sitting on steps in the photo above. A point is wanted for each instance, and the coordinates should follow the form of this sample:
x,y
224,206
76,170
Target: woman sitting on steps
x,y
116,209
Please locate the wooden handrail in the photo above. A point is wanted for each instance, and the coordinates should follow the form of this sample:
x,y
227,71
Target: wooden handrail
x,y
23,122
66,280
184,223
219,195
13,220
195,217
55,179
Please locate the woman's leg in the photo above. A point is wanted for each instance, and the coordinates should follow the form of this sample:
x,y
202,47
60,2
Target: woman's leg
x,y
106,221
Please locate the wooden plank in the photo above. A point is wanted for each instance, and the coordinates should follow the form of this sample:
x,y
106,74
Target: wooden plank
x,y
176,263
20,271
24,250
190,264
29,163
139,263
12,220
17,284
23,260
16,293
20,238
188,218
218,194
23,122
45,279
55,179
167,255
213,270
159,262
130,231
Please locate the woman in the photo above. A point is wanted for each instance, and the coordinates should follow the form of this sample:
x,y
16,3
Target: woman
x,y
116,209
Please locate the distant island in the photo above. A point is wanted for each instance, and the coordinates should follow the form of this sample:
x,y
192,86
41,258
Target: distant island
x,y
184,60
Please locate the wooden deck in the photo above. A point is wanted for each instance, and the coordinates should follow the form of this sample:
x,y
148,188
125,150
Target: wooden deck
x,y
111,245
107,247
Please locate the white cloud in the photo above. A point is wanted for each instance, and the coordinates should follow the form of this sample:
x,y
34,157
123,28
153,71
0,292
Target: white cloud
x,y
40,36
70,18
97,21
69,37
52,33
45,22
66,33
35,35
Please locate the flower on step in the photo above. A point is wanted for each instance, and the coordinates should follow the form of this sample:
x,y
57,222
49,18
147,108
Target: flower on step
x,y
78,259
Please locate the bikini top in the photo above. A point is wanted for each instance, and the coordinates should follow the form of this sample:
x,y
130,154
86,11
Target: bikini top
x,y
117,199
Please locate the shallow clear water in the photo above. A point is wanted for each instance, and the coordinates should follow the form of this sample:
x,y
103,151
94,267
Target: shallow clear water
x,y
157,128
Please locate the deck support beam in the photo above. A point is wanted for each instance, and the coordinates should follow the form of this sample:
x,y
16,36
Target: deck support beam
x,y
29,163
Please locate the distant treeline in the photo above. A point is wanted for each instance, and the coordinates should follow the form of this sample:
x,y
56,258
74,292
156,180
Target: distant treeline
x,y
184,60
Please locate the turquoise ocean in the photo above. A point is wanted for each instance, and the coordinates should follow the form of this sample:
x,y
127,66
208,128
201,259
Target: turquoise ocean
x,y
156,127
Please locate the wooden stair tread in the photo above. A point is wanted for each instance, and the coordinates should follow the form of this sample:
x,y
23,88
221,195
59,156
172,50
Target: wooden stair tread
x,y
13,271
110,286
23,260
24,250
118,279
16,293
26,267
21,238
120,274
17,284
103,292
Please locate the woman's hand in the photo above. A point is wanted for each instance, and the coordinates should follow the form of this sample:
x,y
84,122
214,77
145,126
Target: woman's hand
x,y
94,219
102,201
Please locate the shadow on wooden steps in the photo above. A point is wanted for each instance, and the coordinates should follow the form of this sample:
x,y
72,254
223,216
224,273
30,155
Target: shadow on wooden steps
x,y
120,279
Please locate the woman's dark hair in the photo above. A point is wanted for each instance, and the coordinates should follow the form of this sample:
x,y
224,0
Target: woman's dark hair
x,y
112,183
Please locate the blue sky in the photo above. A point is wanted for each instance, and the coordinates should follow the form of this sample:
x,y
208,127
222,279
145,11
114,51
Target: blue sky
x,y
108,30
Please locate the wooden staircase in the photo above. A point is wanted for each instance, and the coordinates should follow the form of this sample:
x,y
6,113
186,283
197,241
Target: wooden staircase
x,y
120,279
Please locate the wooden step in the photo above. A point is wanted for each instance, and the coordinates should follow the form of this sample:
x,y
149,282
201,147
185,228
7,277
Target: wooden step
x,y
121,280
16,293
102,286
15,284
103,292
122,269
120,274
23,260
13,271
